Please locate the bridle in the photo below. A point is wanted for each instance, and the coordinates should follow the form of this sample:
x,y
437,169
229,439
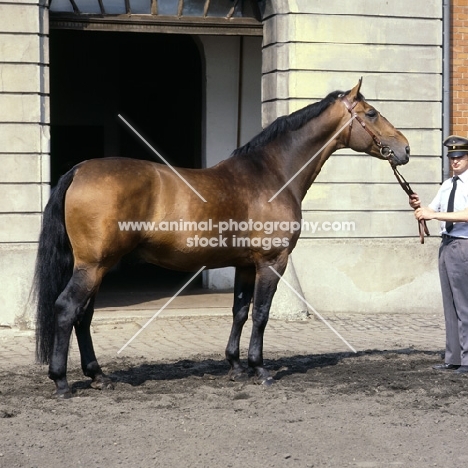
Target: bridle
x,y
386,153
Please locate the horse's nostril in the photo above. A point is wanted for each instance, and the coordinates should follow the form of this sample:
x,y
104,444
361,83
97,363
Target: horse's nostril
x,y
407,150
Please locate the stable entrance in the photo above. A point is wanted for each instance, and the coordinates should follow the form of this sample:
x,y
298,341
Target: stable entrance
x,y
95,76
192,97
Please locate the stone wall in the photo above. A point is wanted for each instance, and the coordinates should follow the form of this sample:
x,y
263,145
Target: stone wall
x,y
371,261
24,150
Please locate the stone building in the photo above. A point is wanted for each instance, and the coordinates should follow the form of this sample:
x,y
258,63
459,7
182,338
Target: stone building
x,y
222,69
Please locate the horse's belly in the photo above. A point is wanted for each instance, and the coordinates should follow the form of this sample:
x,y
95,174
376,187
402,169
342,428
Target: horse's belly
x,y
191,252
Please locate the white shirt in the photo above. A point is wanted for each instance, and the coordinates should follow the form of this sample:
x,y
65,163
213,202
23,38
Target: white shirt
x,y
440,203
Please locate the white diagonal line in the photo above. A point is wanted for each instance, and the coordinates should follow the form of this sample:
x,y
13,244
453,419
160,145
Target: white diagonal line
x,y
311,159
161,309
313,310
160,157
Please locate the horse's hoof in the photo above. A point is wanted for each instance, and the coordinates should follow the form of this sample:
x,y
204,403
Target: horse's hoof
x,y
102,383
62,395
103,386
238,375
108,386
266,382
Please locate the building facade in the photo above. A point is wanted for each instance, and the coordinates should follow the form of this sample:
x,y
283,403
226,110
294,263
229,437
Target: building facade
x,y
68,67
459,67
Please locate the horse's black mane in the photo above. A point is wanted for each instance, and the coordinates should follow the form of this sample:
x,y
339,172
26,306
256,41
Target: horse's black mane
x,y
289,123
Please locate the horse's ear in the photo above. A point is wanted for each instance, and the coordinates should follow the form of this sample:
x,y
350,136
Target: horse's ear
x,y
354,93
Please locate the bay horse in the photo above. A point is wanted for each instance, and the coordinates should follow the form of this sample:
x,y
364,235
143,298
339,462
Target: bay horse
x,y
263,181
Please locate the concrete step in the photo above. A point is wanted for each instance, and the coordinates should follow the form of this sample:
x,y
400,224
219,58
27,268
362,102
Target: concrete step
x,y
122,306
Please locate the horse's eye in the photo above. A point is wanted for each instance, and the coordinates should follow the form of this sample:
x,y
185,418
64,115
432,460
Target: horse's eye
x,y
371,113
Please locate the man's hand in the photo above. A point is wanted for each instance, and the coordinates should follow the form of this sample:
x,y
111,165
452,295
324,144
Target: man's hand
x,y
424,213
414,201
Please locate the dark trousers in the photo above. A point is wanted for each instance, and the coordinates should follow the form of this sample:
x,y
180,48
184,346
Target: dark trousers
x,y
453,272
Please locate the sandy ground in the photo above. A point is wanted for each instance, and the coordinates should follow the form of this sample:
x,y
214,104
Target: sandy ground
x,y
373,409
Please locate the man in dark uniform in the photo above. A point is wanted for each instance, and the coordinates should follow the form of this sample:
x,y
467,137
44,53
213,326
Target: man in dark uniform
x,y
450,206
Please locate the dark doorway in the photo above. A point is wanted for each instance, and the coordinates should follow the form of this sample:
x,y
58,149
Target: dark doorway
x,y
154,81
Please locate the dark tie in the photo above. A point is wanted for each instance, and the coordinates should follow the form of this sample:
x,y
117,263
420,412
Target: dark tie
x,y
449,224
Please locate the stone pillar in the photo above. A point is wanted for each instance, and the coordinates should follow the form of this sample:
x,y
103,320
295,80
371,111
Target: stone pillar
x,y
286,304
24,150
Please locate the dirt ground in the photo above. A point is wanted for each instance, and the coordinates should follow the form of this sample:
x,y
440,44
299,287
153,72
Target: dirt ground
x,y
374,409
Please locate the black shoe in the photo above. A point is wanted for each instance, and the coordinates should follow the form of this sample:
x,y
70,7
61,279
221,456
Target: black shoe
x,y
462,370
447,367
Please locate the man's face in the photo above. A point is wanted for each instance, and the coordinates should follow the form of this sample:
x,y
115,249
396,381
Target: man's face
x,y
459,165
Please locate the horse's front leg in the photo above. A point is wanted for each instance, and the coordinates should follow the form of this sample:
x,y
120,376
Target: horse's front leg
x,y
265,288
243,291
89,363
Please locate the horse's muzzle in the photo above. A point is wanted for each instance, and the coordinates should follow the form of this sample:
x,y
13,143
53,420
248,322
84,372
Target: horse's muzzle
x,y
396,158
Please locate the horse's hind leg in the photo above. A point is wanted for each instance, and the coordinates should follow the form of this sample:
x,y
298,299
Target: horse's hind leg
x,y
70,307
89,362
243,292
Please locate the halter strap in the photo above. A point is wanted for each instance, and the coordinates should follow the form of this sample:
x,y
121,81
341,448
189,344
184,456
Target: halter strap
x,y
423,229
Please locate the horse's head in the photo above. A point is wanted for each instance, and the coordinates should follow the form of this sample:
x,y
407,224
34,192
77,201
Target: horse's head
x,y
370,132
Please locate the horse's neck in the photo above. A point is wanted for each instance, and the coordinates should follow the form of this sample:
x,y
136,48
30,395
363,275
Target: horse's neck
x,y
312,171
304,158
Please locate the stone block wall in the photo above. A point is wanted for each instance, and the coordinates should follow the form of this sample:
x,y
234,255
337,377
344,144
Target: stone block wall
x,y
24,149
313,48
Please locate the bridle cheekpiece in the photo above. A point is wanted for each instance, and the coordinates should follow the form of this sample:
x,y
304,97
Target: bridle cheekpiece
x,y
385,151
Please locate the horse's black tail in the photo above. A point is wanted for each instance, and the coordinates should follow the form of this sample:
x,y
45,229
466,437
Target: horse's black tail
x,y
54,267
